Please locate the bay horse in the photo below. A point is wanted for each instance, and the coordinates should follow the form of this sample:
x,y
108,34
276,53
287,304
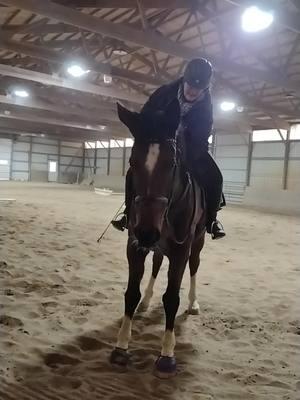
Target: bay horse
x,y
167,216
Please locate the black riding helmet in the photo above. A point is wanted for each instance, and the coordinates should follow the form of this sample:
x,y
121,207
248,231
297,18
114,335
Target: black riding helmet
x,y
198,73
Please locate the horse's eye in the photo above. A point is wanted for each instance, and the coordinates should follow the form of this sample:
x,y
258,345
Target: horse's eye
x,y
132,163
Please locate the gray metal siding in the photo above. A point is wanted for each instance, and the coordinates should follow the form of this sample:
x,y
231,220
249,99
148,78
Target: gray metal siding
x,y
231,156
5,158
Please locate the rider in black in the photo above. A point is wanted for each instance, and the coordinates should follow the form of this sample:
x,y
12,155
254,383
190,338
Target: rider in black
x,y
193,93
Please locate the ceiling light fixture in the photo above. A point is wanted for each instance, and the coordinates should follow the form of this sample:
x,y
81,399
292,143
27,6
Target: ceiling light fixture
x,y
255,19
107,79
77,71
227,105
21,93
120,52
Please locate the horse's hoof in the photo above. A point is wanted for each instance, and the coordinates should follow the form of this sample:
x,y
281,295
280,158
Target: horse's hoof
x,y
194,309
120,357
143,307
165,367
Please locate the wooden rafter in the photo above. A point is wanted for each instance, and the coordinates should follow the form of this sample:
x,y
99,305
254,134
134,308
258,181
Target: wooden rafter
x,y
147,39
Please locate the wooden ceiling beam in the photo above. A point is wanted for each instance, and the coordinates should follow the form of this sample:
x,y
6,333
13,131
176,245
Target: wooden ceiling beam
x,y
171,4
13,128
44,30
49,80
150,40
29,123
80,86
55,121
101,117
52,56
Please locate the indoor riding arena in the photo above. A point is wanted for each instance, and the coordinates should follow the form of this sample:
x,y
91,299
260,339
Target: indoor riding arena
x,y
64,155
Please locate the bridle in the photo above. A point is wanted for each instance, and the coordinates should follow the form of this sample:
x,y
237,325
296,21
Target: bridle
x,y
168,201
162,199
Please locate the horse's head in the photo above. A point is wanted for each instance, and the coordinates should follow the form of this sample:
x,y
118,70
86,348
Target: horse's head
x,y
153,162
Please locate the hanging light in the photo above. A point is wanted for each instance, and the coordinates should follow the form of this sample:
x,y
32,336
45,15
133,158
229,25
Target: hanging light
x,y
77,70
21,93
107,79
254,19
227,106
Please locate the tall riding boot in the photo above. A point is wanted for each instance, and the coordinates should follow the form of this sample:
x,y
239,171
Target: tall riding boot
x,y
122,219
210,178
213,226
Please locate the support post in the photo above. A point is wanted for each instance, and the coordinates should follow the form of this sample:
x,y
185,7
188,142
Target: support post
x,y
124,159
58,160
286,160
249,158
83,159
11,158
30,159
108,158
213,144
95,159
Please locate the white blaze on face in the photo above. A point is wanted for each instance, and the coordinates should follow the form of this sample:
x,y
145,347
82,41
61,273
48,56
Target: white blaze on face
x,y
152,157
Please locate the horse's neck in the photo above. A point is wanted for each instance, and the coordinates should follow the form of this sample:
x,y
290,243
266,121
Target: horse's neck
x,y
182,207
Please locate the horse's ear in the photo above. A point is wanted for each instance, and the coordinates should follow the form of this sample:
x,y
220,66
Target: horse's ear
x,y
172,117
130,119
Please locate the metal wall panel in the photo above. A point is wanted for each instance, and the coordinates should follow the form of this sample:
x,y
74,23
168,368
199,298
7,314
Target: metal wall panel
x,y
44,149
71,151
293,182
39,166
5,159
20,166
21,146
101,166
116,166
232,158
20,176
20,156
39,158
232,140
268,150
232,151
43,141
72,144
72,161
295,149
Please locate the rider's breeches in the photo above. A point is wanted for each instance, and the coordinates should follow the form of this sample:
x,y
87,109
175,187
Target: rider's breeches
x,y
209,176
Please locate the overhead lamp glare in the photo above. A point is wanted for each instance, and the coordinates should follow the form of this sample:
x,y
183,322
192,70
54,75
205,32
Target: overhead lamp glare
x,y
120,52
255,19
77,71
107,79
227,105
21,93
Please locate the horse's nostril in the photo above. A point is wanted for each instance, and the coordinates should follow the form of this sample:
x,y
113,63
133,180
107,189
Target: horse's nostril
x,y
147,238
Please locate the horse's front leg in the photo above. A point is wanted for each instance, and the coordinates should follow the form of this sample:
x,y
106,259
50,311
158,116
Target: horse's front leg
x,y
166,364
157,261
194,262
136,261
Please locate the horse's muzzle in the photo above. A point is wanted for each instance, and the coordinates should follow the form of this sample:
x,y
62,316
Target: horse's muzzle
x,y
147,238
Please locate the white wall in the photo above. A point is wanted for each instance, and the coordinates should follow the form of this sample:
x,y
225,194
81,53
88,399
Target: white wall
x,y
110,166
293,182
30,157
231,155
266,189
5,159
